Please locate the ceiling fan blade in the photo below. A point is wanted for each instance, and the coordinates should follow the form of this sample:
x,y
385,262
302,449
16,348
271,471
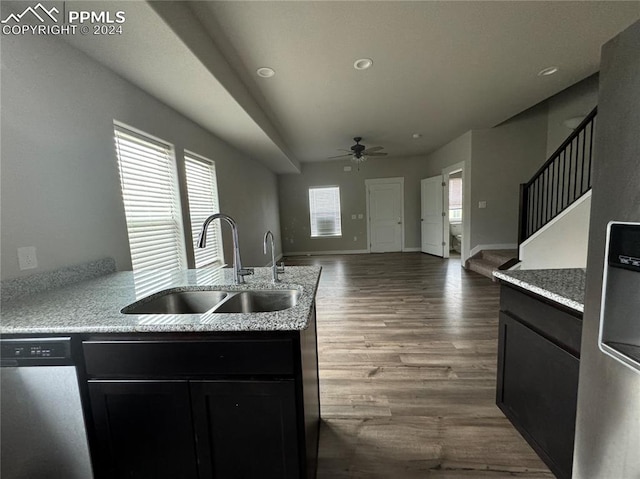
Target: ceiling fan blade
x,y
376,154
339,156
372,149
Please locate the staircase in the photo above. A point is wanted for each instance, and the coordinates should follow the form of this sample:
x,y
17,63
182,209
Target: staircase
x,y
560,182
490,260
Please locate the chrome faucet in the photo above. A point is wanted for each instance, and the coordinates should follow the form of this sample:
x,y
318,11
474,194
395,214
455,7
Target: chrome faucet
x,y
274,267
238,271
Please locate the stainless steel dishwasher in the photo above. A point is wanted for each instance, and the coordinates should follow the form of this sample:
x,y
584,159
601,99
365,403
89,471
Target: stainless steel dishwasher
x,y
42,428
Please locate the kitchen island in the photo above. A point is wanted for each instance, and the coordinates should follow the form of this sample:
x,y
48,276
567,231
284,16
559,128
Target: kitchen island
x,y
187,395
539,359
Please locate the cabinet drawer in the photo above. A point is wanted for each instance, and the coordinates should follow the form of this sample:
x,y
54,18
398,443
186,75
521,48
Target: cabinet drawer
x,y
560,327
149,359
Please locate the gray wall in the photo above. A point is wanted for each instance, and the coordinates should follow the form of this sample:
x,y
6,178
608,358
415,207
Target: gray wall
x,y
608,421
497,160
502,158
294,197
60,186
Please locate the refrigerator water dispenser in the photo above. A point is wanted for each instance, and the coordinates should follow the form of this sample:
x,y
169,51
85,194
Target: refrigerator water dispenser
x,y
620,313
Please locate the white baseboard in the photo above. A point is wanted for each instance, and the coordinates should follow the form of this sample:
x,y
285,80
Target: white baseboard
x,y
315,253
481,247
411,250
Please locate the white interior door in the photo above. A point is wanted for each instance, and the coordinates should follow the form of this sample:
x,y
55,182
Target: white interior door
x,y
385,217
431,219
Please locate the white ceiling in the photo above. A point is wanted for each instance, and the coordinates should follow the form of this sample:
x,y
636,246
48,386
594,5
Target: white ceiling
x,y
440,67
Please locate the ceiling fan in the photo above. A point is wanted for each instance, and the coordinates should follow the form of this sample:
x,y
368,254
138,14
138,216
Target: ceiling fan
x,y
360,153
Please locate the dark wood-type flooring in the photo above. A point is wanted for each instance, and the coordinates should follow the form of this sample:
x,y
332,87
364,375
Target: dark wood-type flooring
x,y
407,356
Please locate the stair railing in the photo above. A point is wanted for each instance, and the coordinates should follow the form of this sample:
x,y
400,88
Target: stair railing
x,y
563,179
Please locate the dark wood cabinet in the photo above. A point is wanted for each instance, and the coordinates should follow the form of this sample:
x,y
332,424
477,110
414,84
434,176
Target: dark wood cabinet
x,y
202,406
246,429
538,366
195,429
143,429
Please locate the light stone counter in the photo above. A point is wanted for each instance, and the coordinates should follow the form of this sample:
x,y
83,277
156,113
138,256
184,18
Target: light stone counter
x,y
93,306
564,286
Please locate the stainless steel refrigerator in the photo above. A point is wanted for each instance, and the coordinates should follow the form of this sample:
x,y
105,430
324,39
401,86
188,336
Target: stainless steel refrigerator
x,y
607,442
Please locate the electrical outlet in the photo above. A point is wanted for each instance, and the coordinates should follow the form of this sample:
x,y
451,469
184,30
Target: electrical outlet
x,y
347,168
353,217
482,204
355,238
27,258
360,216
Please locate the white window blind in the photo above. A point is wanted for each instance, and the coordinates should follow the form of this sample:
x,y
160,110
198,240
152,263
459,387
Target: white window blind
x,y
151,201
324,209
455,199
202,191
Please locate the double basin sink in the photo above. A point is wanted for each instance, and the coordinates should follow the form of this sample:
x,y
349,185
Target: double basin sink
x,y
174,301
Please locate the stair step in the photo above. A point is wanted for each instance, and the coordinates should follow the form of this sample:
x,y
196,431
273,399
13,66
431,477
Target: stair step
x,y
498,256
483,267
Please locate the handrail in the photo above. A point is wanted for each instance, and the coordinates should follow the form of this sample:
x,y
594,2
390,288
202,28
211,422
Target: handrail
x,y
565,143
560,181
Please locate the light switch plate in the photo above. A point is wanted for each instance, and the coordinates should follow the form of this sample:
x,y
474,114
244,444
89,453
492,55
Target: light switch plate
x,y
27,258
353,217
360,216
482,204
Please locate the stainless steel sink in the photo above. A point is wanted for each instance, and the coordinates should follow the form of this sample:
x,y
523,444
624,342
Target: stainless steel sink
x,y
198,302
178,302
259,301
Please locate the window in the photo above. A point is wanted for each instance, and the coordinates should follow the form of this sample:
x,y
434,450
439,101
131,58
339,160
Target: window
x,y
202,192
151,201
455,200
324,209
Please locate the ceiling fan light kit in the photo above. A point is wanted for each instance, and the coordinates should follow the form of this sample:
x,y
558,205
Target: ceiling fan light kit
x,y
359,153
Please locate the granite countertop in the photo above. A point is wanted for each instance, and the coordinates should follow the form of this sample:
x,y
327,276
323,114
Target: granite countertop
x,y
93,306
564,286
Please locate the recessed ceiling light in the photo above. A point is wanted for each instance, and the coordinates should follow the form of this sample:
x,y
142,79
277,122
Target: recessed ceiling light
x,y
362,63
265,72
415,136
547,71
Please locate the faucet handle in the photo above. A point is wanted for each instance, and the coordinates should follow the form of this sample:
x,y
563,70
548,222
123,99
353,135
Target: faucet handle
x,y
242,272
245,271
280,267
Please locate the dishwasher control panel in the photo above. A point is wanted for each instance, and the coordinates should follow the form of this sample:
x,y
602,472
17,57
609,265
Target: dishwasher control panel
x,y
24,351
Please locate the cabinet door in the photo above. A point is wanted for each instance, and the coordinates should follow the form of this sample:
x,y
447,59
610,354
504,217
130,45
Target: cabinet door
x,y
537,391
246,429
143,429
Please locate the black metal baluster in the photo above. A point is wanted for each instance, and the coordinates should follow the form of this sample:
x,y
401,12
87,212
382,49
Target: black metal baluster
x,y
550,193
569,178
531,209
556,174
590,151
561,194
545,190
575,176
538,209
584,154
